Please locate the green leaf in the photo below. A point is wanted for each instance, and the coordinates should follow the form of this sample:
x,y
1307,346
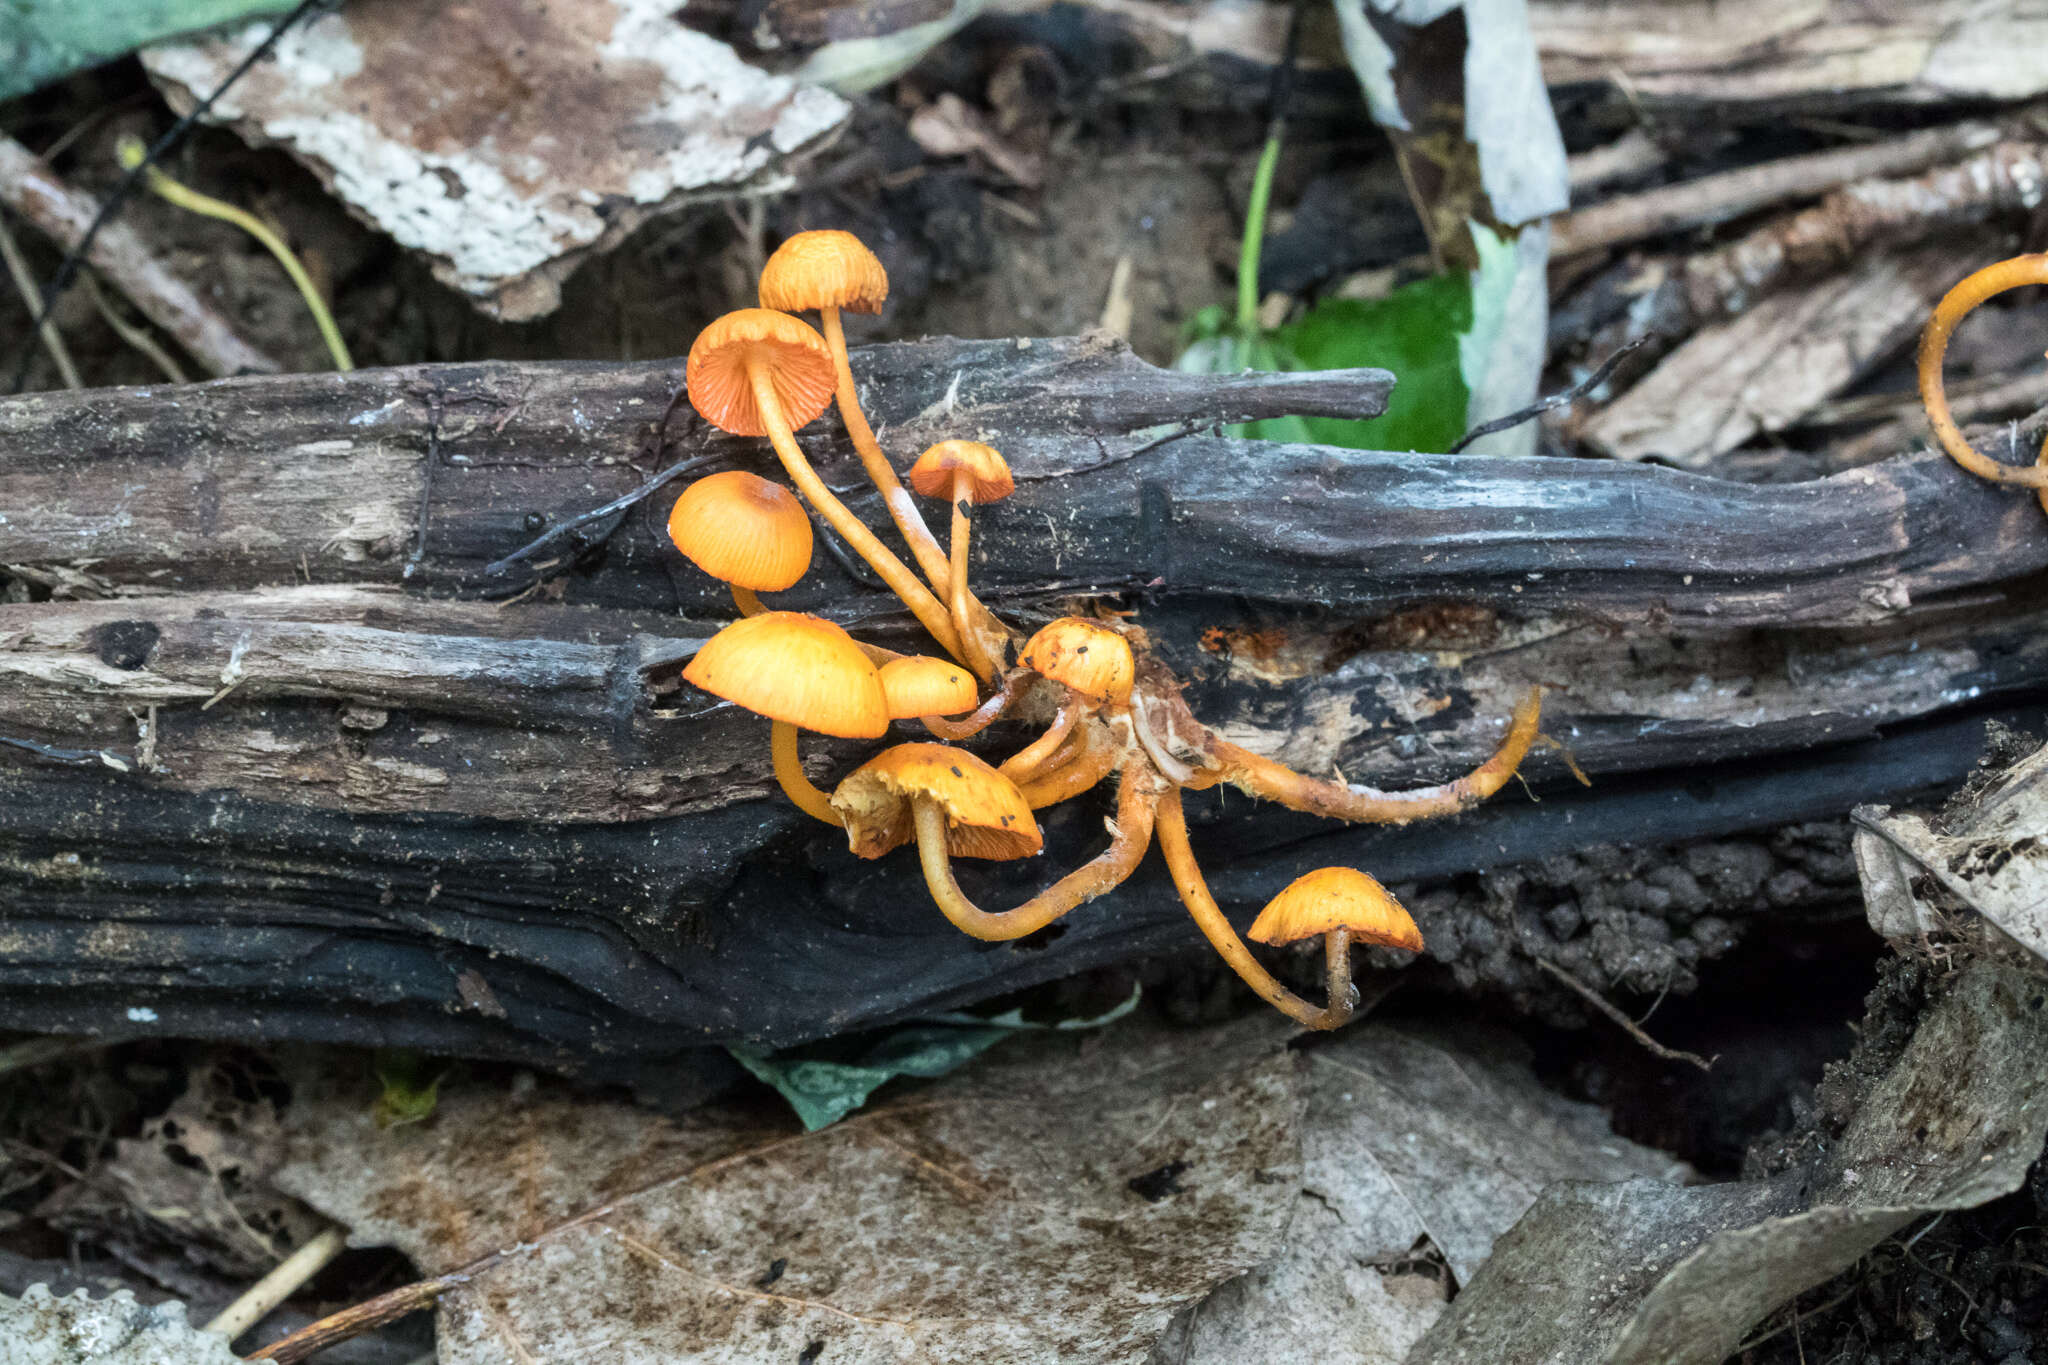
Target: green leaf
x,y
824,1090
41,40
410,1091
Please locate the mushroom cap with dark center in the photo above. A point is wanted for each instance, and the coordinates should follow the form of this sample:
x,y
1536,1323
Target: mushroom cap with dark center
x,y
1336,898
986,816
1093,660
824,269
799,365
988,474
802,669
920,685
743,529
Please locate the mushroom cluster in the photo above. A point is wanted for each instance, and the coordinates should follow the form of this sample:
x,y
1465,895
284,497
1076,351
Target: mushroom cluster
x,y
1114,710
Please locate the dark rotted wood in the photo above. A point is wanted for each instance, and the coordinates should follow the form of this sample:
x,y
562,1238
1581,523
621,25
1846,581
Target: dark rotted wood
x,y
282,787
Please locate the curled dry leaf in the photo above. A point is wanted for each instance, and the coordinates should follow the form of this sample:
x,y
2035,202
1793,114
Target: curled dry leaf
x,y
552,131
1058,1203
1415,1135
1641,1272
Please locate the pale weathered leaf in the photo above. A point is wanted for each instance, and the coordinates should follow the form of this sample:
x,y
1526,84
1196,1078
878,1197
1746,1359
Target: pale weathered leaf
x,y
506,143
1059,1202
42,1329
1645,1274
1414,1134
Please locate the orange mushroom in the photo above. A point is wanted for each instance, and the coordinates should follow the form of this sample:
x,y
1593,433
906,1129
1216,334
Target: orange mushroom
x,y
831,271
955,805
1091,659
1954,306
750,373
744,530
966,473
802,672
918,685
1331,899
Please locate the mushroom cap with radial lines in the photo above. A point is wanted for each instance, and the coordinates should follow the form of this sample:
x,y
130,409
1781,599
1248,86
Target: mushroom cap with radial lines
x,y
742,529
799,364
802,669
1093,660
920,685
824,269
988,473
1336,898
986,816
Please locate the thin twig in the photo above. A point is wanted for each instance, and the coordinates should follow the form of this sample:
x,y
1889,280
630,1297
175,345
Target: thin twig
x,y
620,504
284,1280
1626,1024
137,337
67,269
53,340
1543,405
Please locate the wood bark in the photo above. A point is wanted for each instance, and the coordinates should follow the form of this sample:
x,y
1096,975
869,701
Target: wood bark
x,y
285,759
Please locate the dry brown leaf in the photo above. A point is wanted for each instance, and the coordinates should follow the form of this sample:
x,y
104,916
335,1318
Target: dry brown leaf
x,y
1059,1203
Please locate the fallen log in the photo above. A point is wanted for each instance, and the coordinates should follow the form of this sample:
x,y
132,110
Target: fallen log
x,y
284,758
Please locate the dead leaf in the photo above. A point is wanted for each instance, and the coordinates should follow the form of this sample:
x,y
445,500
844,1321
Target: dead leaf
x,y
1414,1134
507,143
1057,1203
42,1329
950,126
1642,1273
1992,856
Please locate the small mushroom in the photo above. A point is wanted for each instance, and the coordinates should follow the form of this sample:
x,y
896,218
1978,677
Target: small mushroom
x,y
956,806
1953,308
966,472
918,685
1332,899
742,529
833,271
802,672
1091,659
750,372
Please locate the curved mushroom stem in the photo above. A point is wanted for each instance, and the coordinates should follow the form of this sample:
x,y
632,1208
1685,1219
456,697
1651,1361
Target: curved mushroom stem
x,y
789,771
1098,754
1194,893
930,612
744,599
924,547
1954,306
987,713
1259,776
960,597
1024,765
1102,874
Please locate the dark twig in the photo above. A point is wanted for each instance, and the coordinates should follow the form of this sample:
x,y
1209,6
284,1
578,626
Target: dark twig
x,y
1543,405
1627,1025
81,757
67,269
615,508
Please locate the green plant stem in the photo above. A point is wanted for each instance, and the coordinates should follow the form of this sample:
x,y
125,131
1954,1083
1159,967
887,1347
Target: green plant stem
x,y
1255,237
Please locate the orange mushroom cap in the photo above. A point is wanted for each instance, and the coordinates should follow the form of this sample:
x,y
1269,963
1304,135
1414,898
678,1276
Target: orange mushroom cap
x,y
824,269
799,366
986,816
1093,660
802,669
988,474
920,685
1336,898
743,529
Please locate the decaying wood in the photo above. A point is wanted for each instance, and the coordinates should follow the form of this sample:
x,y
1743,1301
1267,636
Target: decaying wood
x,y
481,814
39,195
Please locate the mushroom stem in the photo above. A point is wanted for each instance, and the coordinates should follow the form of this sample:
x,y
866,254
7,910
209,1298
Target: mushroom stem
x,y
1103,873
1024,765
1260,776
744,599
984,715
930,612
789,771
959,595
1098,755
1194,893
924,547
1954,306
